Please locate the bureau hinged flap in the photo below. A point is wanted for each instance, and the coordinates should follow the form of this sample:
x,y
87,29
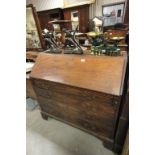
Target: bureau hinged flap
x,y
99,73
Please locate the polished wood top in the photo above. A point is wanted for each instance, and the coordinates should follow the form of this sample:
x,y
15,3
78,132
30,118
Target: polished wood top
x,y
98,73
32,55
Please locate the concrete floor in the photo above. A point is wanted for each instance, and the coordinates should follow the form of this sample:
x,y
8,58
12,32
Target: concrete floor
x,y
53,137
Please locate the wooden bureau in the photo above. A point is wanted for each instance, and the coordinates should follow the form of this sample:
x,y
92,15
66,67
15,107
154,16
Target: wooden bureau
x,y
84,91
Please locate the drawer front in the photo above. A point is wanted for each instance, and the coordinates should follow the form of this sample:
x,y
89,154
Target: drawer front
x,y
92,104
88,109
48,89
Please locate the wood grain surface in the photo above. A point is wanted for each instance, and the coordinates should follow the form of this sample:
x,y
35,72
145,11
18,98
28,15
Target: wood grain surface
x,y
100,73
77,105
32,55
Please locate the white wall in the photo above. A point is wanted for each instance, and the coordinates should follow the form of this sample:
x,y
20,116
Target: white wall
x,y
45,4
96,8
111,1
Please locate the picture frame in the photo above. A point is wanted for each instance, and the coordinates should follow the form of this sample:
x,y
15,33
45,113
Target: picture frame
x,y
113,13
34,39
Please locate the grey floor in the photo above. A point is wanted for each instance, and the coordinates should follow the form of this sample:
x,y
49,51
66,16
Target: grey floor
x,y
53,137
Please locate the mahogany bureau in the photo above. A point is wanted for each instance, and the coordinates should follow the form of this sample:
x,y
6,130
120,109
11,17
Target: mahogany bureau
x,y
84,91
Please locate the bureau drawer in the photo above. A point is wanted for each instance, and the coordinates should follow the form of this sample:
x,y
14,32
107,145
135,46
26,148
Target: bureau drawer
x,y
73,96
90,101
71,91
